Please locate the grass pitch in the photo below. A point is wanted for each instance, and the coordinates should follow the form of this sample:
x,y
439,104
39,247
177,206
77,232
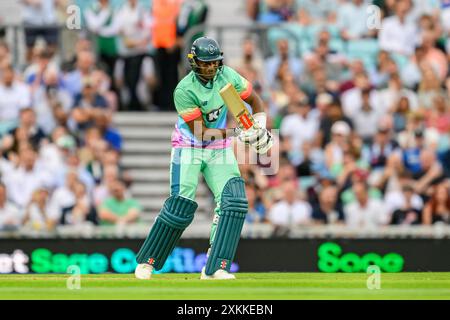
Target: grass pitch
x,y
255,286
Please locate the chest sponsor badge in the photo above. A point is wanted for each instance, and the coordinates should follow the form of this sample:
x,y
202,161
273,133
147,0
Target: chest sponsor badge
x,y
214,115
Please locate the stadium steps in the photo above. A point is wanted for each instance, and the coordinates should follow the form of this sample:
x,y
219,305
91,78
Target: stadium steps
x,y
146,155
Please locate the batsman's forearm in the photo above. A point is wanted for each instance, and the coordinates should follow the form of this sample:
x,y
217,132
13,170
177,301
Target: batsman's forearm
x,y
255,102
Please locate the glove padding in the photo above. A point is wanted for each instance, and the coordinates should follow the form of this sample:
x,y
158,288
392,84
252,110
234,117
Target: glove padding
x,y
263,143
260,139
251,135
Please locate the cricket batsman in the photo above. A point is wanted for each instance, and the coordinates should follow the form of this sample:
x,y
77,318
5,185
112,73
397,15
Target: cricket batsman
x,y
201,143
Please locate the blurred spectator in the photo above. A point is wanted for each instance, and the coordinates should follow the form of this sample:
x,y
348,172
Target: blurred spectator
x,y
100,21
439,116
41,62
52,102
405,206
352,20
37,215
429,8
322,179
252,9
92,152
365,212
134,37
334,150
352,100
355,176
88,106
429,86
315,80
82,210
192,13
344,171
84,66
322,103
82,44
39,19
377,152
282,58
437,208
434,56
416,135
10,217
301,117
401,111
5,55
250,66
28,176
310,157
110,134
290,211
55,150
328,211
256,211
333,114
316,11
366,120
72,163
275,11
110,174
119,209
167,44
384,68
253,175
411,74
389,97
26,133
70,202
430,170
15,95
330,61
398,34
112,157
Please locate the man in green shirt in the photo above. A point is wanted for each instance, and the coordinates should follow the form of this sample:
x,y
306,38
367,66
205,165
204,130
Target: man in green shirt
x,y
118,209
201,144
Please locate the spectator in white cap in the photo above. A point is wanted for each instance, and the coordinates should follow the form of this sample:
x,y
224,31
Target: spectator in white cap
x,y
323,101
334,151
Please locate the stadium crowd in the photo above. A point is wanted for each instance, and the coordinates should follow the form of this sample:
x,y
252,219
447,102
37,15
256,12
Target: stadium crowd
x,y
362,109
363,113
60,153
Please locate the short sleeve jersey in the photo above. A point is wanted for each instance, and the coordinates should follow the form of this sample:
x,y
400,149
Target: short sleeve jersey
x,y
193,99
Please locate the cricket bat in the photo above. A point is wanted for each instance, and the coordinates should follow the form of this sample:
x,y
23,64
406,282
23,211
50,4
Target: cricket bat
x,y
236,106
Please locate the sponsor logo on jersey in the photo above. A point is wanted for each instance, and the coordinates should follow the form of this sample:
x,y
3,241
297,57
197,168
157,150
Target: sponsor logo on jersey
x,y
214,115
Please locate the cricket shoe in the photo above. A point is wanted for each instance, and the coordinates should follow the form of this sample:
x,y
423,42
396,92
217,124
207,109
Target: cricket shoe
x,y
218,275
143,271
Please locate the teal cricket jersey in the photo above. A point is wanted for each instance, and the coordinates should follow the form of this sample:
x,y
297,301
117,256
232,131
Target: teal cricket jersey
x,y
193,98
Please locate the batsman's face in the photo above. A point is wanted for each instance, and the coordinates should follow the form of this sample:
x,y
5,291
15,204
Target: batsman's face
x,y
208,69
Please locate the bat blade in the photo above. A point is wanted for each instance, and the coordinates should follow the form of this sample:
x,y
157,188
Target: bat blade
x,y
236,106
